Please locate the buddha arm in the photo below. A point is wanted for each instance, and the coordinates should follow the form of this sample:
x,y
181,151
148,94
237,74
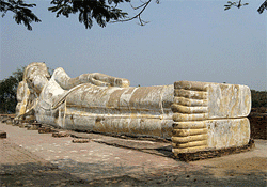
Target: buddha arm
x,y
100,80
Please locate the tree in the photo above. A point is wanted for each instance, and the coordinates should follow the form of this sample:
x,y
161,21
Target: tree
x,y
259,99
8,91
262,7
102,11
238,4
21,10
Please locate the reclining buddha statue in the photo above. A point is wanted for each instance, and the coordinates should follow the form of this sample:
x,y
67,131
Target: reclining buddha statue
x,y
196,116
94,102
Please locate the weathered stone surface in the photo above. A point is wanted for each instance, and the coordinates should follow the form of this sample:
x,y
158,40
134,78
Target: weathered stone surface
x,y
81,140
67,83
9,122
34,126
210,116
222,100
60,134
95,102
2,134
227,133
196,115
23,125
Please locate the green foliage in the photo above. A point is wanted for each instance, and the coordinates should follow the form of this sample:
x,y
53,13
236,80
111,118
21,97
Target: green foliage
x,y
259,99
88,10
21,10
102,11
8,91
238,4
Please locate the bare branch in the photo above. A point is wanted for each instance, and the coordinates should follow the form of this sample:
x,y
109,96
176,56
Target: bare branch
x,y
262,7
237,4
137,16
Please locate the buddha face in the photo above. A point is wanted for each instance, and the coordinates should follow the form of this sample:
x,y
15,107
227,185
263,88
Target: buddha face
x,y
36,75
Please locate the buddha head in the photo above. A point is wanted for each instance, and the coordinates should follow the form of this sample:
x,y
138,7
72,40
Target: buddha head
x,y
36,75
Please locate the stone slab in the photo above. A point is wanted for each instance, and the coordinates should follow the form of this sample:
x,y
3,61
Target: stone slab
x,y
2,134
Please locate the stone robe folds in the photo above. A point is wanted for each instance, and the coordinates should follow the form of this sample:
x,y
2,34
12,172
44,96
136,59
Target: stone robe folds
x,y
93,104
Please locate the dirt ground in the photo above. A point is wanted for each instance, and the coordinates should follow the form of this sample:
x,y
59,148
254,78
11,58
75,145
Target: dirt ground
x,y
31,159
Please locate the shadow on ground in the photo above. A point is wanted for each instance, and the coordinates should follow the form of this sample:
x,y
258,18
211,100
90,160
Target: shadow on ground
x,y
32,174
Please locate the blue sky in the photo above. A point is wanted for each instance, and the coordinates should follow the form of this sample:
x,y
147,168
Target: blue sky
x,y
184,40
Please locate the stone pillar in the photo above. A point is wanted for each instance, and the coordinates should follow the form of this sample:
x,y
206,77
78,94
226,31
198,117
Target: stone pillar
x,y
209,116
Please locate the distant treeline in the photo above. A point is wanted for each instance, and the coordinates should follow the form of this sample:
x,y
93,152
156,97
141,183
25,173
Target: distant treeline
x,y
259,99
